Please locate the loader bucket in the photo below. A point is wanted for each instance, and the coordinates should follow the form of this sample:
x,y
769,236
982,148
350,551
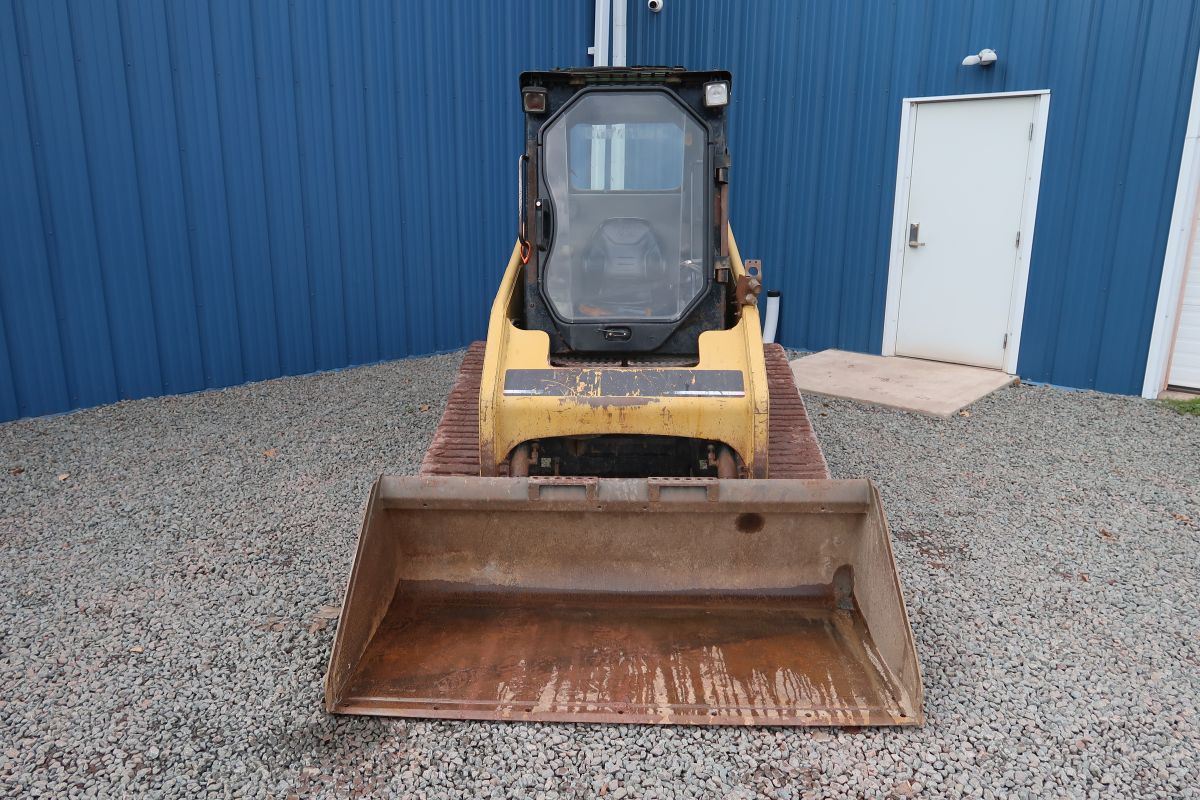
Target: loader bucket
x,y
674,601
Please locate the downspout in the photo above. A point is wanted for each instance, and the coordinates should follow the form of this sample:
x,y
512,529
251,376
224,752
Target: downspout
x,y
599,50
619,11
599,53
618,60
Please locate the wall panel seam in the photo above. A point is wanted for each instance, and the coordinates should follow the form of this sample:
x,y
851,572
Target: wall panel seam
x,y
239,303
189,213
155,312
45,211
305,219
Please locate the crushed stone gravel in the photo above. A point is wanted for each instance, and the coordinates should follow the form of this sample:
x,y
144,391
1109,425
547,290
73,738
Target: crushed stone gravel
x,y
170,564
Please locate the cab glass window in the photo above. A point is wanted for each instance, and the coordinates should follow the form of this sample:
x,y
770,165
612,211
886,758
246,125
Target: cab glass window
x,y
626,177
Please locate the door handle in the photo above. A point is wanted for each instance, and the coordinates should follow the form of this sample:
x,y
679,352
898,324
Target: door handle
x,y
545,225
914,235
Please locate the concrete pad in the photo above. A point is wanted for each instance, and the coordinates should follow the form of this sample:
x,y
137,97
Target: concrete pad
x,y
908,384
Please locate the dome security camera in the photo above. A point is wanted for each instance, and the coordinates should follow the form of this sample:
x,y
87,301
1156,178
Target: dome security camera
x,y
654,5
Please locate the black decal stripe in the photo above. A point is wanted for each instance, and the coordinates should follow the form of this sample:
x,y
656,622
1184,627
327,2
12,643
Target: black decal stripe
x,y
594,382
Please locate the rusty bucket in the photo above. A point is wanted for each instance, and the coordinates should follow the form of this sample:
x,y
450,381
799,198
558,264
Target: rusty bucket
x,y
670,601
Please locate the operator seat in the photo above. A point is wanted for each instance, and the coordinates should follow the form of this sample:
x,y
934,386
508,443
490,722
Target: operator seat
x,y
624,271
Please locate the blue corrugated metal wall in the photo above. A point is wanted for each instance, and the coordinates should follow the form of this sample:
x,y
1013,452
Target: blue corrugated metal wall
x,y
197,194
815,131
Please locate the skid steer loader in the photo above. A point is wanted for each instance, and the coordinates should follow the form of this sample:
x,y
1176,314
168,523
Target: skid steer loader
x,y
624,514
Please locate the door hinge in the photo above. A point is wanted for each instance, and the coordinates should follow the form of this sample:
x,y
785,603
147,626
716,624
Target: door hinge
x,y
1031,131
1018,242
1005,347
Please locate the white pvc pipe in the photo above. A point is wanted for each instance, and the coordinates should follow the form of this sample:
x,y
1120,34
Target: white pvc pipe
x,y
771,321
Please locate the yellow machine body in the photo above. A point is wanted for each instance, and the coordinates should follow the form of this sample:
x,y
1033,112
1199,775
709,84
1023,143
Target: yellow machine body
x,y
507,420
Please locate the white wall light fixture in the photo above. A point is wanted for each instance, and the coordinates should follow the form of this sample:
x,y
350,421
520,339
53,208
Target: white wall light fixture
x,y
984,58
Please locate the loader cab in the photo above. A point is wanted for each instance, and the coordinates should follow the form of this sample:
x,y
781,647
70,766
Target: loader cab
x,y
623,196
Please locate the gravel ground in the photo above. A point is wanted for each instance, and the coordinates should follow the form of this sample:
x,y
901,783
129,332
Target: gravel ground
x,y
167,561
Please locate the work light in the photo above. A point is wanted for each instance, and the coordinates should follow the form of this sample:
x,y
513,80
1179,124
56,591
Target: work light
x,y
716,93
533,98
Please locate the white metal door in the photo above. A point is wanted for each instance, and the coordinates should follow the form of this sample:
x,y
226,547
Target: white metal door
x,y
970,172
1185,358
